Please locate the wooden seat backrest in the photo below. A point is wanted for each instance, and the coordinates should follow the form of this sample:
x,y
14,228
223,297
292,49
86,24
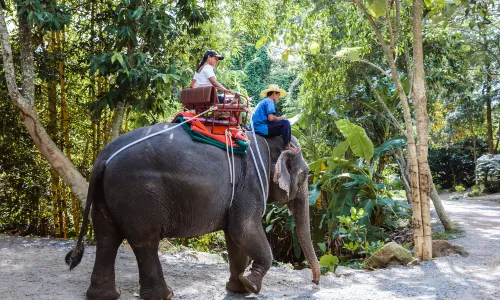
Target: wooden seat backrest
x,y
199,96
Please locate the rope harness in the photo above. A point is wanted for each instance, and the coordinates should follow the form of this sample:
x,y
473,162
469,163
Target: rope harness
x,y
230,158
157,133
230,161
265,193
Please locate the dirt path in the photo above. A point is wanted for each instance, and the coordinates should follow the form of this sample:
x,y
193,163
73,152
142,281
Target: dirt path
x,y
34,269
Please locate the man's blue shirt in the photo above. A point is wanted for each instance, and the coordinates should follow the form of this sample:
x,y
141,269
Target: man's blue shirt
x,y
264,108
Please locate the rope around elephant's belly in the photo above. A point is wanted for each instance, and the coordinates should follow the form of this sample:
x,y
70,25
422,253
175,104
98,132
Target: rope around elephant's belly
x,y
157,133
231,163
265,193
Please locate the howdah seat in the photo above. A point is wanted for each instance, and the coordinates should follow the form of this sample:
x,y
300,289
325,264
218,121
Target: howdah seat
x,y
230,112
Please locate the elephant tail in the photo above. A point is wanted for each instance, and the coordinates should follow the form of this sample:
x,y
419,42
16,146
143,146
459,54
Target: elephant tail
x,y
74,256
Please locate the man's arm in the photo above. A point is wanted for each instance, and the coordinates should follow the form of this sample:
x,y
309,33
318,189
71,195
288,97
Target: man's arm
x,y
273,118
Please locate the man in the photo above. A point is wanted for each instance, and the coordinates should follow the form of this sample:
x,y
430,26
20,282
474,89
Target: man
x,y
265,121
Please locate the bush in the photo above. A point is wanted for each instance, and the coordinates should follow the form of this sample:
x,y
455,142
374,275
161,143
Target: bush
x,y
454,165
475,191
488,173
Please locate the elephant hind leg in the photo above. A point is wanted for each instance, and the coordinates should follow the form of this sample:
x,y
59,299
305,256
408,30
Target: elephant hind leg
x,y
153,285
108,238
251,239
238,261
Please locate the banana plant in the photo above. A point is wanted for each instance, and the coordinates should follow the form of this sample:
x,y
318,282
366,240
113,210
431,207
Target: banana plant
x,y
348,184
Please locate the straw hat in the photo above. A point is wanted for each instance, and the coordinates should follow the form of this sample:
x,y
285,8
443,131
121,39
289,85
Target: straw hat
x,y
273,88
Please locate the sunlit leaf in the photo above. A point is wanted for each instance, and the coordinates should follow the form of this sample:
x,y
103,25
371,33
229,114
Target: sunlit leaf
x,y
377,8
329,261
261,42
351,53
359,142
284,55
314,48
340,149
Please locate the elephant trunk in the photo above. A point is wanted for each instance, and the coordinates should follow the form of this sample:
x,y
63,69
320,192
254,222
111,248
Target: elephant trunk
x,y
301,214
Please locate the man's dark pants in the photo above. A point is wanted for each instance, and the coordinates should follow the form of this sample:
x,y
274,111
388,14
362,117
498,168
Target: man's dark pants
x,y
281,127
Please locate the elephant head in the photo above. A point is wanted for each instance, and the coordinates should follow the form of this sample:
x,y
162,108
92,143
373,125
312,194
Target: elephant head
x,y
289,185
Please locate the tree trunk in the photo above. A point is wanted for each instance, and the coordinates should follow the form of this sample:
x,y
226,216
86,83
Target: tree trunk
x,y
424,171
52,130
43,142
65,143
418,170
63,212
403,170
491,149
497,137
438,206
28,69
94,139
117,122
54,180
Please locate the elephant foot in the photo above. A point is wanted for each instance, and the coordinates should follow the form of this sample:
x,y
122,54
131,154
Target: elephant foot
x,y
234,285
251,283
157,293
103,293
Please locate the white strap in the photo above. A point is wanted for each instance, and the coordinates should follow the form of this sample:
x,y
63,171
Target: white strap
x,y
157,133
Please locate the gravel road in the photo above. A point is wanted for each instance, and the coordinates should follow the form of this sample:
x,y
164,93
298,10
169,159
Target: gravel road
x,y
33,268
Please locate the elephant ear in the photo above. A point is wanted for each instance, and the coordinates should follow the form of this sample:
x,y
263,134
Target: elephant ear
x,y
282,171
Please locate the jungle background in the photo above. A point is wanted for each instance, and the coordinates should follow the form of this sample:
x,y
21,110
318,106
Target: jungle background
x,y
103,68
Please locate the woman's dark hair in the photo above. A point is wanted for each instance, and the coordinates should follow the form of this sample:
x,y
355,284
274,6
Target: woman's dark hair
x,y
203,61
271,93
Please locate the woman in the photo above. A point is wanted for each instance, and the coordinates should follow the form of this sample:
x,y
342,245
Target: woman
x,y
205,75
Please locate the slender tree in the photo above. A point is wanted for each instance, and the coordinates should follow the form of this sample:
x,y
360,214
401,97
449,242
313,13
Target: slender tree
x,y
25,102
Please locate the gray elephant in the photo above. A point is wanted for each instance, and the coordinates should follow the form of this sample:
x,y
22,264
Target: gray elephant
x,y
170,186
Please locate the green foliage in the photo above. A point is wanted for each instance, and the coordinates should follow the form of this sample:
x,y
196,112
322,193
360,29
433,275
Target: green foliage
x,y
475,192
25,206
354,234
454,164
358,208
328,263
359,142
347,202
459,188
44,14
394,143
138,31
214,242
452,234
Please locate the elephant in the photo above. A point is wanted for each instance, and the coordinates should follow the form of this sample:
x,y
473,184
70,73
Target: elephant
x,y
171,186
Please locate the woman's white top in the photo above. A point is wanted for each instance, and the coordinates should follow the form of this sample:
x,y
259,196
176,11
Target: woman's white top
x,y
202,78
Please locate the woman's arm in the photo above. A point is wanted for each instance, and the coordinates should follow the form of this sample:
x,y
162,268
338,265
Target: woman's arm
x,y
193,84
219,86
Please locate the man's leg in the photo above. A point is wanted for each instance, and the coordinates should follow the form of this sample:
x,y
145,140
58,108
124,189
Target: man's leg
x,y
283,128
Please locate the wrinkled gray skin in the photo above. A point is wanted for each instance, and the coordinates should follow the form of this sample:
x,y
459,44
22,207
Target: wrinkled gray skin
x,y
171,186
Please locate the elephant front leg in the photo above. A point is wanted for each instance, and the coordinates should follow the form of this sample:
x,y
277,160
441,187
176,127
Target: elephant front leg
x,y
153,285
251,239
238,261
